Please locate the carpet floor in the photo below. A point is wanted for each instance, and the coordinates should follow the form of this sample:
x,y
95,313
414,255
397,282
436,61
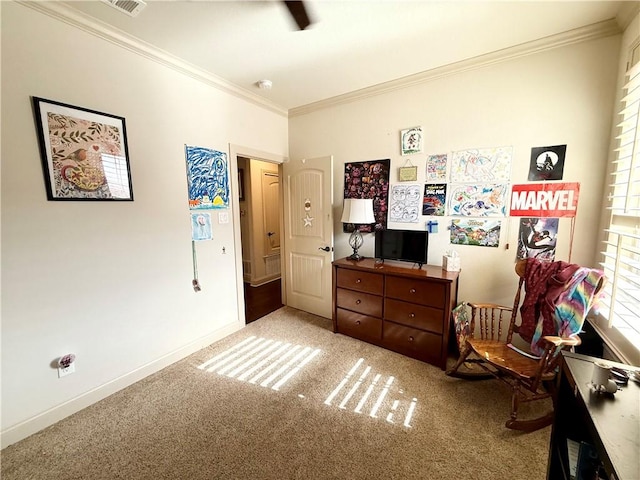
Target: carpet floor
x,y
285,398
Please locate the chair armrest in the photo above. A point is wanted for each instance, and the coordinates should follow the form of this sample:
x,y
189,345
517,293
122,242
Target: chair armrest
x,y
562,342
488,305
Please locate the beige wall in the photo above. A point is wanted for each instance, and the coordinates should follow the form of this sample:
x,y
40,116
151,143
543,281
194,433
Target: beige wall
x,y
112,282
109,281
560,96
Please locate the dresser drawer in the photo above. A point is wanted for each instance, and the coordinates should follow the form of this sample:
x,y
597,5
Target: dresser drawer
x,y
413,315
412,342
364,303
361,281
416,291
358,326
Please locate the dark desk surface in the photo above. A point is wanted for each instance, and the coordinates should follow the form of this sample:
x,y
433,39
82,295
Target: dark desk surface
x,y
393,267
616,418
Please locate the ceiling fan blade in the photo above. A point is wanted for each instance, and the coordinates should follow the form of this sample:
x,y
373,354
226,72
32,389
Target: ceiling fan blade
x,y
298,12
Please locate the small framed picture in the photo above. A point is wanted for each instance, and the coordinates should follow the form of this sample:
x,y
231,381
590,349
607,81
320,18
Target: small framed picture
x,y
411,140
407,174
84,152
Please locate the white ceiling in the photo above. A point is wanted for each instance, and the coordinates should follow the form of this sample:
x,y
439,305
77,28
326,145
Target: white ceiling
x,y
351,44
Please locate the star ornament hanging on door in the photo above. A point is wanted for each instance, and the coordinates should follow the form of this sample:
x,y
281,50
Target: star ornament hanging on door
x,y
307,220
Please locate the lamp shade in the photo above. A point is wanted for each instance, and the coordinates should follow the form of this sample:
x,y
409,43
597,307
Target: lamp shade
x,y
358,210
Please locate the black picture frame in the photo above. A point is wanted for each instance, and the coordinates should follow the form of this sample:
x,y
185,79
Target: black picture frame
x,y
84,152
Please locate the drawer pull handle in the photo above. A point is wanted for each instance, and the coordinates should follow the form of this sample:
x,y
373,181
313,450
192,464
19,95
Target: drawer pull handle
x,y
412,315
358,302
411,339
358,281
357,322
413,290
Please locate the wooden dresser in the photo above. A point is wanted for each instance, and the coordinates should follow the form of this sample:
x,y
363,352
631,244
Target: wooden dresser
x,y
395,306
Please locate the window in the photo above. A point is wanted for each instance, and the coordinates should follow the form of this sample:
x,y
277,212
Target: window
x,y
621,252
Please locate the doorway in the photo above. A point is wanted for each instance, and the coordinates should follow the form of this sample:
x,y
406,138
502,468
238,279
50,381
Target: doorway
x,y
260,231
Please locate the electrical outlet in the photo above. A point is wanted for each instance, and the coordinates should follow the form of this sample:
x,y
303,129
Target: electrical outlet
x,y
64,371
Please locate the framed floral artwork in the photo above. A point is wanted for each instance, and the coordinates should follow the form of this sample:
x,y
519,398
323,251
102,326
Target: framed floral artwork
x,y
84,152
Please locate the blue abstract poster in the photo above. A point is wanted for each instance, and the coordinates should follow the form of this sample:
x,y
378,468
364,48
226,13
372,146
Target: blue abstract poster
x,y
207,177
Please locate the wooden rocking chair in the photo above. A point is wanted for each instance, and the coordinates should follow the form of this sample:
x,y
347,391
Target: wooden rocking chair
x,y
530,377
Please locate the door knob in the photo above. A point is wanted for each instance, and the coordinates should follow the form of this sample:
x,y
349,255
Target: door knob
x,y
326,249
270,234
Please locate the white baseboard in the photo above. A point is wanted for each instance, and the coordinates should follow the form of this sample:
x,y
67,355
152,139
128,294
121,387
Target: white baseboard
x,y
34,424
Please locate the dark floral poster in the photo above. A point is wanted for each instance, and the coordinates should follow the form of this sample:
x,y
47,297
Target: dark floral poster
x,y
368,180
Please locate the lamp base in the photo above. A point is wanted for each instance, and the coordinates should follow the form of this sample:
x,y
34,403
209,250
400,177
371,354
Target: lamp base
x,y
355,242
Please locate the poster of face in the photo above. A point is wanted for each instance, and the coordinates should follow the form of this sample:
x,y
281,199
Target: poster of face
x,y
537,238
547,163
404,205
368,180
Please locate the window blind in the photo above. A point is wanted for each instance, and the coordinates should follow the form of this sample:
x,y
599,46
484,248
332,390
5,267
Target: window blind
x,y
621,252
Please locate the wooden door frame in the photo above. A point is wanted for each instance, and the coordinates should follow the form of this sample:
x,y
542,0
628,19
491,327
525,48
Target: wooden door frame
x,y
236,151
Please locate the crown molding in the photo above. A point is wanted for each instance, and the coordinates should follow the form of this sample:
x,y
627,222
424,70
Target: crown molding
x,y
70,16
66,14
582,34
626,14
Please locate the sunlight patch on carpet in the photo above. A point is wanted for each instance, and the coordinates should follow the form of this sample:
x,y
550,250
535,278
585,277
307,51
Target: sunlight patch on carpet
x,y
262,361
376,397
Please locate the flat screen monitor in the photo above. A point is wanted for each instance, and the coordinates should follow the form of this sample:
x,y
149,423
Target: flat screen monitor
x,y
404,245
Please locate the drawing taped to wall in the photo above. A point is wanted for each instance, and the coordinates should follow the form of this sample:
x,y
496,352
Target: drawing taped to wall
x,y
478,200
482,165
201,226
547,163
537,238
368,180
207,178
436,169
404,205
478,232
411,140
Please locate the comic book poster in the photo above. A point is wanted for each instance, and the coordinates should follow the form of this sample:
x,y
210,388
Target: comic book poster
x,y
434,200
547,163
404,204
368,180
537,238
473,231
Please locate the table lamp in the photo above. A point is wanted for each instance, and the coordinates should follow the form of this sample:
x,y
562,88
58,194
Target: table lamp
x,y
357,211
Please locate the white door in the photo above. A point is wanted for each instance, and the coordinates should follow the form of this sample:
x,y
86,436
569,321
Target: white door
x,y
308,229
271,212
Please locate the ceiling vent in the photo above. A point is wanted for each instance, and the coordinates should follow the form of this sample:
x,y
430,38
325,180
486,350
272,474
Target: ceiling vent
x,y
130,7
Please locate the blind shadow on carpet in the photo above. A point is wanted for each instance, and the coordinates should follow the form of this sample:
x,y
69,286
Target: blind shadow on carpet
x,y
285,398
